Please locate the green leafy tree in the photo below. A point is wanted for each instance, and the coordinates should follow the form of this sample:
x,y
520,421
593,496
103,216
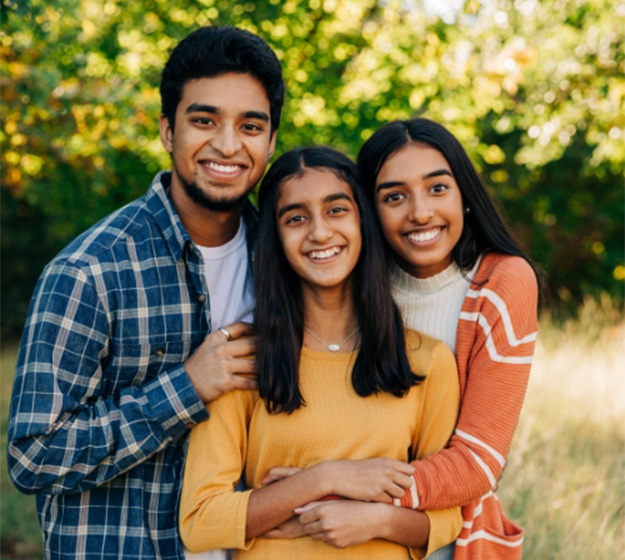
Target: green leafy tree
x,y
534,90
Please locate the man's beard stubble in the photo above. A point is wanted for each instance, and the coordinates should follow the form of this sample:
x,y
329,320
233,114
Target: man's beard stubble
x,y
198,196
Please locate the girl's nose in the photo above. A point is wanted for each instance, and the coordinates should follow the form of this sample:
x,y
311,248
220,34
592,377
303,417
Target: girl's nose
x,y
421,212
319,230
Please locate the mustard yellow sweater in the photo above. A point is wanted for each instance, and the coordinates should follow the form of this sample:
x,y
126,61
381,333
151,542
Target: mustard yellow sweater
x,y
336,423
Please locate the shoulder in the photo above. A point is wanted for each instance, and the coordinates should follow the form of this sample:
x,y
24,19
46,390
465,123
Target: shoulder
x,y
504,287
104,236
510,277
426,354
236,405
496,267
99,253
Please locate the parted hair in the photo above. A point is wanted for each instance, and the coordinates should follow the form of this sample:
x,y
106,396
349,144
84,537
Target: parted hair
x,y
381,363
208,52
484,230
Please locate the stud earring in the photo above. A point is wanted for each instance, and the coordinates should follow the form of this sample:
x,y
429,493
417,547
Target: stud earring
x,y
467,210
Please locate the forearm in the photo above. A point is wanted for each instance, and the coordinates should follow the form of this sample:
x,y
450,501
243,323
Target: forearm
x,y
403,526
272,505
476,456
83,445
80,412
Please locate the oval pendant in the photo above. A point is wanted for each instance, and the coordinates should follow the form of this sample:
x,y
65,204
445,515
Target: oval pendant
x,y
334,347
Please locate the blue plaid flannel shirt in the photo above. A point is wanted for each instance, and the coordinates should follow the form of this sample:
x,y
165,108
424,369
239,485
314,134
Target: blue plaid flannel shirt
x,y
101,402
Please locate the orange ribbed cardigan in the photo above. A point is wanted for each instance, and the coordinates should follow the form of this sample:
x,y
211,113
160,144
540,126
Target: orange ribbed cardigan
x,y
494,348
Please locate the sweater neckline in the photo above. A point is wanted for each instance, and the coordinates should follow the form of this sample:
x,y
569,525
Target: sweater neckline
x,y
405,282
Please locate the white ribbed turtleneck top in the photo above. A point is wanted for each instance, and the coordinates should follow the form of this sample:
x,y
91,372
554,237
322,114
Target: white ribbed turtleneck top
x,y
432,305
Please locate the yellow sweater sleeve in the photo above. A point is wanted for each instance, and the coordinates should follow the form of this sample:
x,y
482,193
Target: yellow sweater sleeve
x,y
440,411
212,513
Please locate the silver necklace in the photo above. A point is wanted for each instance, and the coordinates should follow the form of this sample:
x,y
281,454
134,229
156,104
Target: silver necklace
x,y
332,347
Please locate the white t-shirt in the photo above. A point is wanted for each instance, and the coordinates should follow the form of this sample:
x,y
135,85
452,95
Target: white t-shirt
x,y
229,281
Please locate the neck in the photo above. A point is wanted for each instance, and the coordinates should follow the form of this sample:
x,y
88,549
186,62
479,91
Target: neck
x,y
206,227
330,315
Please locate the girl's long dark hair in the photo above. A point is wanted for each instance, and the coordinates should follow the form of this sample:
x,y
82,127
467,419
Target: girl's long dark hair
x,y
484,230
381,363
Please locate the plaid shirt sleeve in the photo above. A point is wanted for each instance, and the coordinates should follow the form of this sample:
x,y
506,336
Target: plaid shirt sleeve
x,y
72,426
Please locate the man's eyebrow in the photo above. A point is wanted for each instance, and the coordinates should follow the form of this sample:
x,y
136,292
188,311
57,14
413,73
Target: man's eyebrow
x,y
391,184
260,115
201,108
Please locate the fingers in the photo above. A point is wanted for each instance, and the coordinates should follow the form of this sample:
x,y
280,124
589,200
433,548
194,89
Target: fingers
x,y
397,487
244,384
239,329
308,514
278,473
291,529
396,466
214,366
384,498
306,508
314,529
273,534
240,347
404,468
405,481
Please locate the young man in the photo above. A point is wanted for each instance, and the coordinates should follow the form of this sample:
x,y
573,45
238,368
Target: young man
x,y
136,324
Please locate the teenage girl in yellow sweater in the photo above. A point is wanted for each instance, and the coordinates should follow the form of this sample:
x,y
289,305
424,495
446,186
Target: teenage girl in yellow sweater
x,y
339,379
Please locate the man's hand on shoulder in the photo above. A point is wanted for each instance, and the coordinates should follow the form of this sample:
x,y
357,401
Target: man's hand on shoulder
x,y
219,365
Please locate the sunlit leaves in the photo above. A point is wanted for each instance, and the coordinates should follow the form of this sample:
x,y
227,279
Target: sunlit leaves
x,y
534,90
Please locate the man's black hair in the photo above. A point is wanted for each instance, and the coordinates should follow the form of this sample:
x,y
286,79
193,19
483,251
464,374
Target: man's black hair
x,y
215,50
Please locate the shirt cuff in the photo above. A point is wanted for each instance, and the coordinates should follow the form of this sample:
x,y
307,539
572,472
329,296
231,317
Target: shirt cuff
x,y
174,401
410,499
445,526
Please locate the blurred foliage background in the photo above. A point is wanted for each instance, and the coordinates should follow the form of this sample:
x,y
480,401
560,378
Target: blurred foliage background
x,y
534,90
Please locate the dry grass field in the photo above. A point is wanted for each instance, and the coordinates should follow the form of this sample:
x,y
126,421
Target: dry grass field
x,y
565,481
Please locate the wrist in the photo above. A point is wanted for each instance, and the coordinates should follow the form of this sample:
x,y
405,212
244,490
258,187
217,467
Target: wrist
x,y
384,519
325,478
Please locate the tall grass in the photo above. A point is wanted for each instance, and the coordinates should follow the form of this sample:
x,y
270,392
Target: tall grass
x,y
20,535
565,480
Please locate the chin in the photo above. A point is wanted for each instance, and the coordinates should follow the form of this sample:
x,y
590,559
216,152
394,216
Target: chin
x,y
205,200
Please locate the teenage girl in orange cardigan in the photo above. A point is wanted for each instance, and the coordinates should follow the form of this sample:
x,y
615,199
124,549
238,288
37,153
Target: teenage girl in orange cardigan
x,y
459,276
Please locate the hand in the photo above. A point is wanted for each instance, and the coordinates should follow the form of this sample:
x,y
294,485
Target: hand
x,y
341,523
215,365
278,473
291,529
369,480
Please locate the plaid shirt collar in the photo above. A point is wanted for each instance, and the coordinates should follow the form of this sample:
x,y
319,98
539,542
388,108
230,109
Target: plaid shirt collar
x,y
176,236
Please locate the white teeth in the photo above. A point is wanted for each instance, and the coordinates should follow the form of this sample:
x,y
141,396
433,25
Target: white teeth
x,y
223,168
326,254
424,236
